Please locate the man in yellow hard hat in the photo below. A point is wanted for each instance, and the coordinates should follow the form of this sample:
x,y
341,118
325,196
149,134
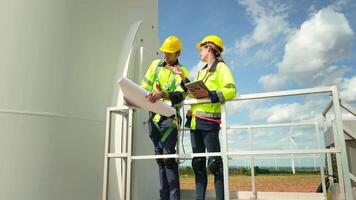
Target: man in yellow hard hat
x,y
163,84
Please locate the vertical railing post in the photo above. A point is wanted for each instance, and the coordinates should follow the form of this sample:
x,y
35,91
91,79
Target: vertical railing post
x,y
180,131
129,154
252,166
339,164
106,157
224,152
342,145
330,167
321,160
328,155
123,143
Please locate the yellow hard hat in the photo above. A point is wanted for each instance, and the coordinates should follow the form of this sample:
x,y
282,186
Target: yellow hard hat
x,y
171,45
213,39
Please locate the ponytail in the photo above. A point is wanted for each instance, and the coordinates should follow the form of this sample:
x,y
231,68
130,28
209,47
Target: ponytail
x,y
217,52
219,58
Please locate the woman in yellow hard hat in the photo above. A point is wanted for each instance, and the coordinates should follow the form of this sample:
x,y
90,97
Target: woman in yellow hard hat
x,y
204,119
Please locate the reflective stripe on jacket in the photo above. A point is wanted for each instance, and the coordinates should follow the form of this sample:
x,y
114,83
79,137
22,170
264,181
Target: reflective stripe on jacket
x,y
160,78
158,75
221,84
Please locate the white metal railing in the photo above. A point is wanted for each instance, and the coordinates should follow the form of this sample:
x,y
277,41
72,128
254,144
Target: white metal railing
x,y
292,154
127,157
345,186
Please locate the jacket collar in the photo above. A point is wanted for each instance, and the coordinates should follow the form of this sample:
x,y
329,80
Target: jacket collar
x,y
163,63
213,67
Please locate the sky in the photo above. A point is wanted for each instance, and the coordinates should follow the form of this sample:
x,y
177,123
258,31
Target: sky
x,y
272,46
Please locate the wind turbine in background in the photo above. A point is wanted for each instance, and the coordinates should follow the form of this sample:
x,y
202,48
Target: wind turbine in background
x,y
292,144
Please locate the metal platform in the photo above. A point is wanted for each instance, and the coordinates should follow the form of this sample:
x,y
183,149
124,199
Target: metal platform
x,y
344,177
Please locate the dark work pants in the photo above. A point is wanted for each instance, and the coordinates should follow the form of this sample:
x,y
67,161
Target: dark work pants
x,y
201,141
168,168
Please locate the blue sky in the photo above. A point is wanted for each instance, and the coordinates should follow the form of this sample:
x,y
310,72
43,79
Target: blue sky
x,y
272,46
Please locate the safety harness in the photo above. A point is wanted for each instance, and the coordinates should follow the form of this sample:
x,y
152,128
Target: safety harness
x,y
169,86
167,131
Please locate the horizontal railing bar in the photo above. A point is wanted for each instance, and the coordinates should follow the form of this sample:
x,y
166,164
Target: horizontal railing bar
x,y
271,125
282,152
353,177
267,95
264,157
249,96
347,107
230,154
301,124
143,157
116,108
117,155
119,110
147,157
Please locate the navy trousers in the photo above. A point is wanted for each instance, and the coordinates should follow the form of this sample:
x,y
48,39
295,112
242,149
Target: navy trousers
x,y
168,168
203,141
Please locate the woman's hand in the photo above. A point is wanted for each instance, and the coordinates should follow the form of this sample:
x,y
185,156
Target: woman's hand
x,y
199,93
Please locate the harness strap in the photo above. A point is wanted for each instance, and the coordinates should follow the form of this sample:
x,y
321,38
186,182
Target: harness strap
x,y
172,83
166,133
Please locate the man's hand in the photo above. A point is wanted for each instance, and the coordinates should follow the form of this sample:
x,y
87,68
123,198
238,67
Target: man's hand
x,y
177,70
199,93
154,96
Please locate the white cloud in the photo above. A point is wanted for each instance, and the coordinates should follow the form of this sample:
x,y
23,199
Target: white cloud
x,y
312,9
348,89
339,4
325,38
331,76
272,81
236,131
259,134
298,134
269,22
309,56
279,113
290,112
238,106
347,116
194,71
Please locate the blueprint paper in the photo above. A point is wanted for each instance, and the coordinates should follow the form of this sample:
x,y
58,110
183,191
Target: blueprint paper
x,y
135,95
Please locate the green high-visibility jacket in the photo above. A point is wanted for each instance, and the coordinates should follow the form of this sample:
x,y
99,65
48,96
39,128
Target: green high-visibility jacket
x,y
221,84
160,77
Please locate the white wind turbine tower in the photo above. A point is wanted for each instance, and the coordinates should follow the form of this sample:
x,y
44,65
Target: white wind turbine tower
x,y
291,145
